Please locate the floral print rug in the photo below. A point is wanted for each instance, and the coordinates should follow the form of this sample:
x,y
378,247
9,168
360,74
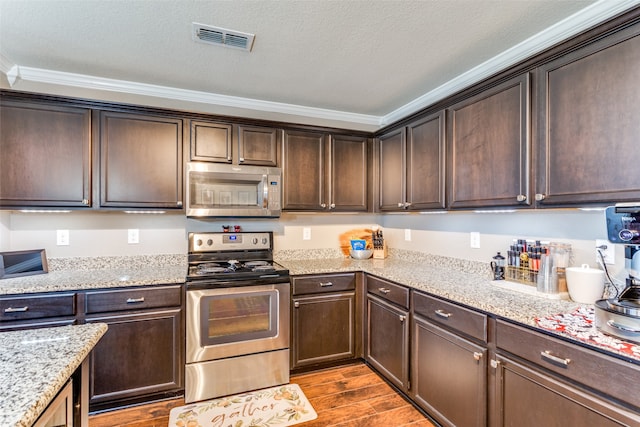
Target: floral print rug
x,y
281,406
579,324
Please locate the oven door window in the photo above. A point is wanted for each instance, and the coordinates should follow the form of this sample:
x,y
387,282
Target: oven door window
x,y
239,317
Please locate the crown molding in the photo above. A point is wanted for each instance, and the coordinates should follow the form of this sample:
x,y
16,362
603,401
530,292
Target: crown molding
x,y
588,17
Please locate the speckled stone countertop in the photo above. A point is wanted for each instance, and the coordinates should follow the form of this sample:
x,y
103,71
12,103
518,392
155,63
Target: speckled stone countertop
x,y
67,274
464,282
35,364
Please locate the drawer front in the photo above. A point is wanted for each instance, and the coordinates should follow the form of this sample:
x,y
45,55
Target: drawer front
x,y
460,319
324,283
133,299
606,374
389,291
37,307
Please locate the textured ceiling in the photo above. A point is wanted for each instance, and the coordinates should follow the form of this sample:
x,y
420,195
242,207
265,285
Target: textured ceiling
x,y
364,57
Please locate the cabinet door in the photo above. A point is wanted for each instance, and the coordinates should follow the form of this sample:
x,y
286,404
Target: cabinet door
x,y
529,398
391,152
45,155
211,142
304,170
448,376
425,163
489,147
349,173
387,347
140,161
323,329
257,145
140,354
589,122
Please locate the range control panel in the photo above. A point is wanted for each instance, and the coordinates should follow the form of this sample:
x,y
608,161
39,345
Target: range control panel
x,y
207,242
623,224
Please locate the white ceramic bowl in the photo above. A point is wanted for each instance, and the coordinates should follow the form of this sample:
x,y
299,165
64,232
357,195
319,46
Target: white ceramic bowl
x,y
586,285
361,254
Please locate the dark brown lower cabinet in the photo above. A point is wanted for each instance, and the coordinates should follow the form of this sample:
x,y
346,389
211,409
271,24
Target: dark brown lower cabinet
x,y
138,356
323,328
387,348
448,375
528,397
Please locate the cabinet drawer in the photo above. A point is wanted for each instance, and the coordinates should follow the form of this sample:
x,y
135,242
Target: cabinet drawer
x,y
324,283
605,374
389,291
132,299
37,306
461,319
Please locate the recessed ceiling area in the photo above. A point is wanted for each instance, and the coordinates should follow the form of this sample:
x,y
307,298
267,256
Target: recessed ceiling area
x,y
351,64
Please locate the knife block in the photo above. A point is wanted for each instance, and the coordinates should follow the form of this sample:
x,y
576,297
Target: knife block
x,y
380,252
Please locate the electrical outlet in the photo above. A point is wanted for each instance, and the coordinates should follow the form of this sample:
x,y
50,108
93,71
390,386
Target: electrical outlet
x,y
306,233
407,234
62,237
133,236
474,240
609,253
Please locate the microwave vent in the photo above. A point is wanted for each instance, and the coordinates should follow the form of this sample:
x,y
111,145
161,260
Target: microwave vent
x,y
222,37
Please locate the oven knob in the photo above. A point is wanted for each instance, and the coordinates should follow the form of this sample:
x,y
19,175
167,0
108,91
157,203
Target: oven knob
x,y
264,240
199,242
255,240
209,242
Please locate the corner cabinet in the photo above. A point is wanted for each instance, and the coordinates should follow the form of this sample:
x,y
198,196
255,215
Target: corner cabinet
x,y
489,147
45,155
387,330
140,161
411,166
589,122
323,319
325,172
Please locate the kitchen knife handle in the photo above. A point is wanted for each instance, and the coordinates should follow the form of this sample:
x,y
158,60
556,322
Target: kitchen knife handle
x,y
442,313
16,309
135,300
554,359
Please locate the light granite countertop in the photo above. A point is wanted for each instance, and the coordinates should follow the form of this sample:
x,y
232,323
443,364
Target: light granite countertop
x,y
35,364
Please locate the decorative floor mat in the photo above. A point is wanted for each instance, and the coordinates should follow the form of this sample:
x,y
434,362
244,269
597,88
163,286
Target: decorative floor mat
x,y
579,324
284,405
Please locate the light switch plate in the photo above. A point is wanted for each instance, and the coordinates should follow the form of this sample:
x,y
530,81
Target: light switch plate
x,y
133,236
62,237
407,234
306,233
474,240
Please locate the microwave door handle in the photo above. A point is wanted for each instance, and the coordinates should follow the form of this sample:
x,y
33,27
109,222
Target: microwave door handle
x,y
265,192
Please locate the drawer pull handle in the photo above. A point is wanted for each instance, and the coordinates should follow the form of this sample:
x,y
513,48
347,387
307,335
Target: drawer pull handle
x,y
384,290
16,309
477,356
443,314
326,284
621,327
135,300
555,359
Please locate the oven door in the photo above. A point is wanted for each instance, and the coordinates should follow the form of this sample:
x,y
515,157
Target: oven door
x,y
234,321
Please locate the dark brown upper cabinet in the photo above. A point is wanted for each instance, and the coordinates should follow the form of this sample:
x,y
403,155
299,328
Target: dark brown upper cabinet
x,y
325,172
589,123
489,147
412,168
140,161
45,155
213,142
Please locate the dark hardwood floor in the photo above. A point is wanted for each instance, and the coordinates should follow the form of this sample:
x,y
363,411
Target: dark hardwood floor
x,y
347,396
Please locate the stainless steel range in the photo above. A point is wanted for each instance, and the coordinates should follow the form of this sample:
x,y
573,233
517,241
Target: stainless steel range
x,y
237,310
620,316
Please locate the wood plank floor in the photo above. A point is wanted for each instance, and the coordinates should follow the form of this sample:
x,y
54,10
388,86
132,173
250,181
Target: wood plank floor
x,y
348,396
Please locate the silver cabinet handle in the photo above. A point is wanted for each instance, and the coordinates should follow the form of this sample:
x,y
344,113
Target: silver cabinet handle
x,y
296,304
521,198
326,284
85,202
555,359
494,363
477,356
442,313
400,205
402,318
241,160
332,206
135,300
621,327
384,290
540,197
407,204
179,203
323,205
16,309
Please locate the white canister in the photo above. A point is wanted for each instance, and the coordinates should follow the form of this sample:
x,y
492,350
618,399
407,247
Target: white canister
x,y
586,285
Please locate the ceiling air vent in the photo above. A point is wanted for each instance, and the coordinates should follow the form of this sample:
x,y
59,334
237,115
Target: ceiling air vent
x,y
222,37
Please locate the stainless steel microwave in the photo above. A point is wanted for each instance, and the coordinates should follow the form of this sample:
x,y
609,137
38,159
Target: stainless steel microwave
x,y
223,190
